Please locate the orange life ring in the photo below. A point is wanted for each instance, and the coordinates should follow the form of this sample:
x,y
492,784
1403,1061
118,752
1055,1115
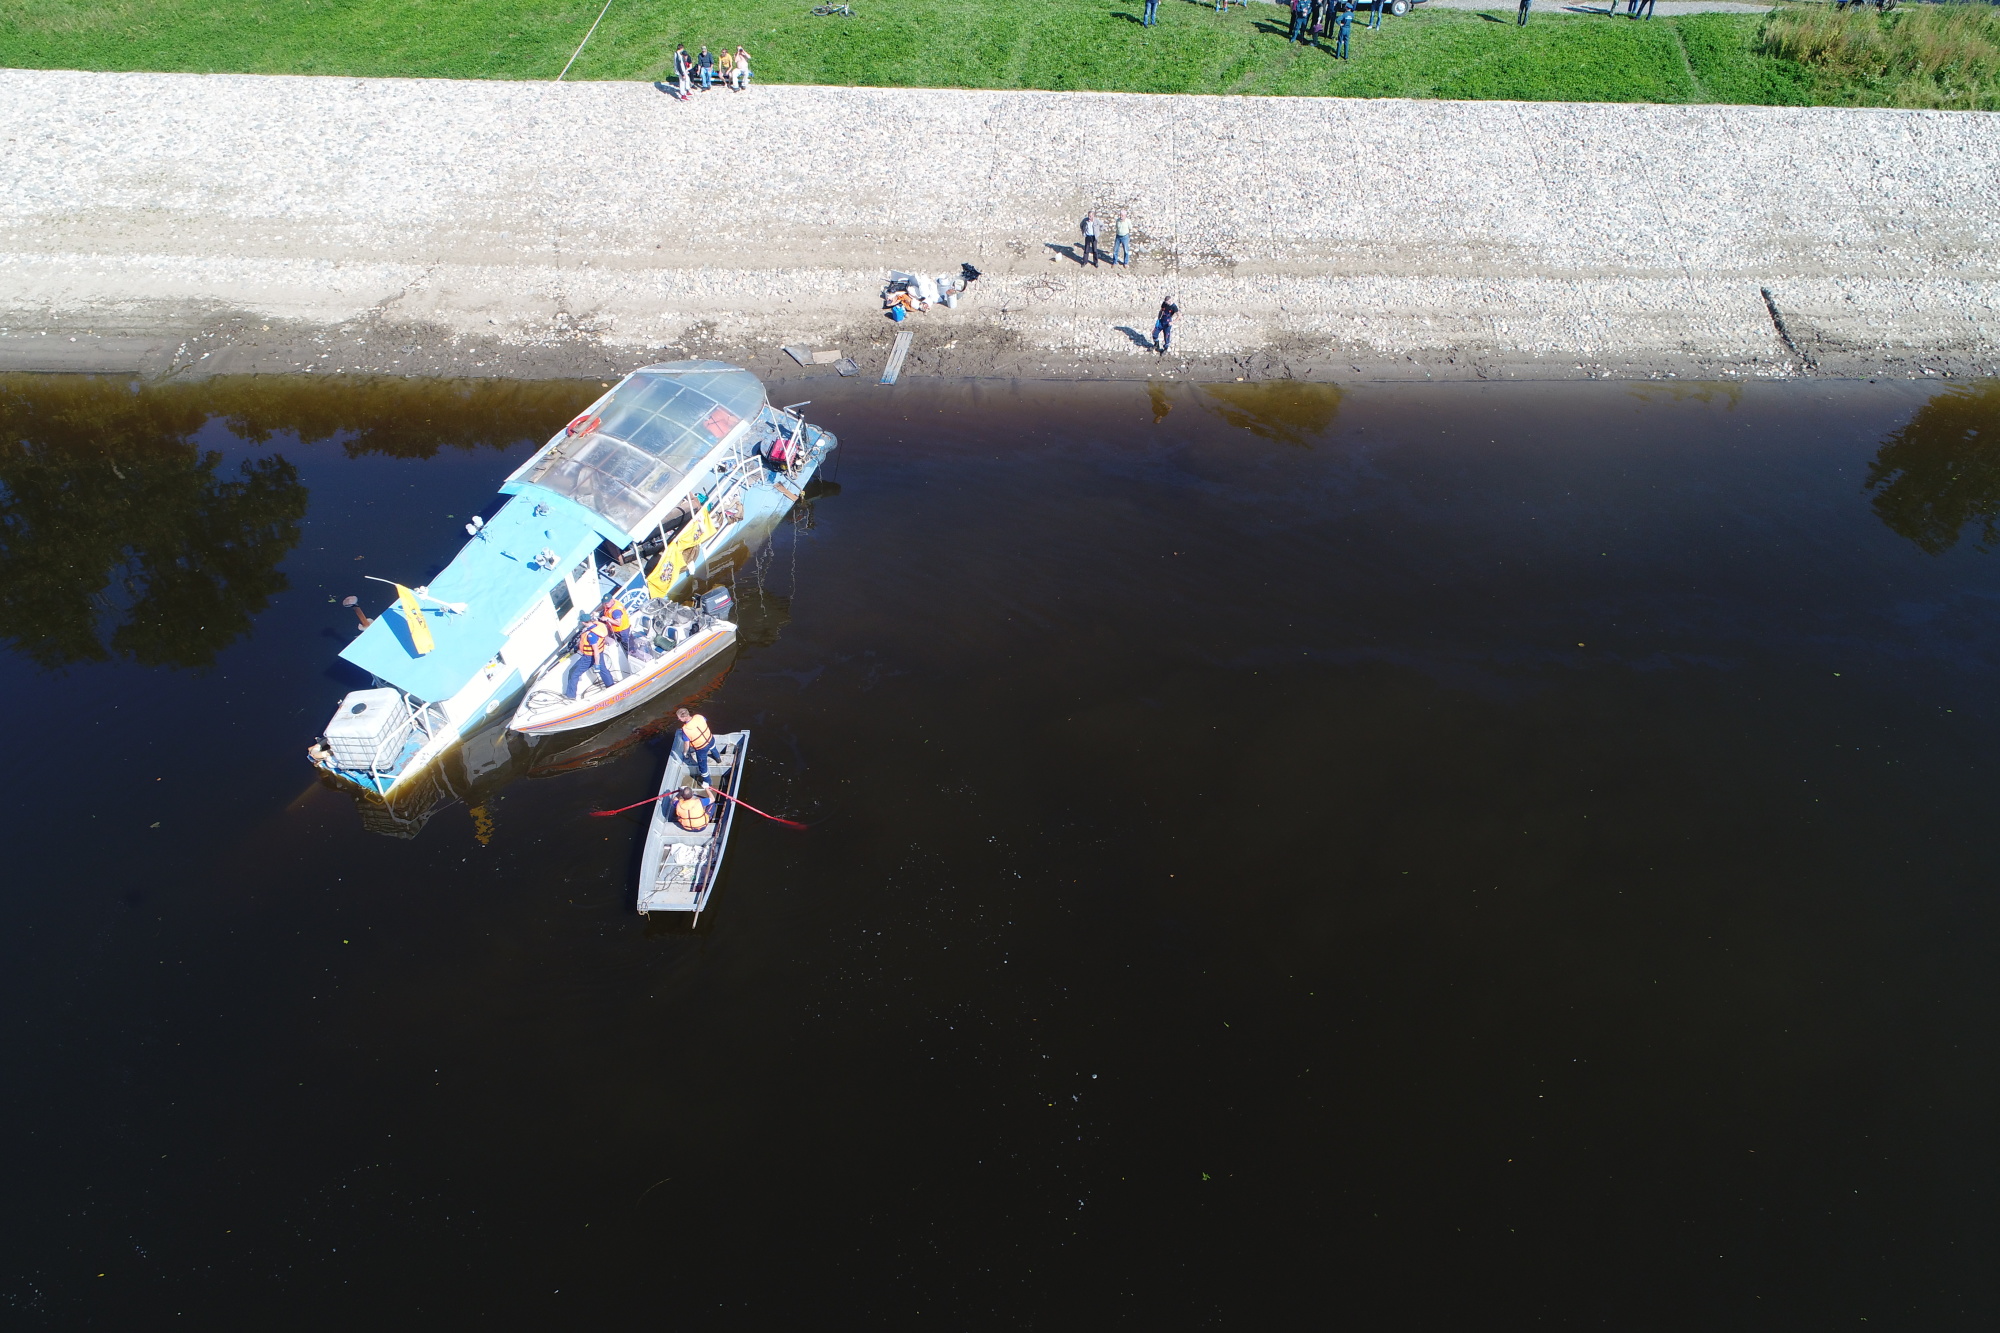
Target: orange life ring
x,y
583,425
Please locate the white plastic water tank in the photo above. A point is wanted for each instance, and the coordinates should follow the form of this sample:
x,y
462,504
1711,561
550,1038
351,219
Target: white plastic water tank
x,y
368,728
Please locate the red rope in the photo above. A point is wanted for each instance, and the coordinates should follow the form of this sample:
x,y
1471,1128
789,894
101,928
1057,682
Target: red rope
x,y
788,823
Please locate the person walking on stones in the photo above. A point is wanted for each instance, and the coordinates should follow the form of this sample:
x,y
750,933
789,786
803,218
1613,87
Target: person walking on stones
x,y
1121,240
1163,325
1152,13
1090,239
1301,14
1521,21
1346,8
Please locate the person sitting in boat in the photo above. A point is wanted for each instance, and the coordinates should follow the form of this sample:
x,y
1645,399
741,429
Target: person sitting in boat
x,y
691,807
697,740
593,644
617,622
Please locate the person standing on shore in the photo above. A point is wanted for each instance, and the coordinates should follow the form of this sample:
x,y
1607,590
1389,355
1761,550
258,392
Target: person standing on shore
x,y
1152,13
1163,325
1375,15
683,73
1642,9
1301,12
1522,20
1090,239
1121,240
1346,8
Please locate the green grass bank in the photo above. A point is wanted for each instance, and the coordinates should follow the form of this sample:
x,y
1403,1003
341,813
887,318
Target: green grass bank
x,y
1792,59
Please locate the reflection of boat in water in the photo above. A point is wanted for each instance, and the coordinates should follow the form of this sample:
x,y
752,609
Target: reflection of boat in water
x,y
678,869
687,461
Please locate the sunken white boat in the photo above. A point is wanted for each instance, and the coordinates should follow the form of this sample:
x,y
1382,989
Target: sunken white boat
x,y
647,492
678,869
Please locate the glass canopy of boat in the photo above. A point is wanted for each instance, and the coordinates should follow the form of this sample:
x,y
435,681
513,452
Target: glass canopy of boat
x,y
633,447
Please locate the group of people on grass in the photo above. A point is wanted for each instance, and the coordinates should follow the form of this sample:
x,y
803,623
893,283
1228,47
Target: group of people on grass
x,y
704,70
1314,19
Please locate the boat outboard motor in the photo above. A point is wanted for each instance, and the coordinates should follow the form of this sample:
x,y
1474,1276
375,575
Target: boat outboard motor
x,y
718,603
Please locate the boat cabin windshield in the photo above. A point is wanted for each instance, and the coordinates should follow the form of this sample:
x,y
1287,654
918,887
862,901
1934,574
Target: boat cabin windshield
x,y
639,442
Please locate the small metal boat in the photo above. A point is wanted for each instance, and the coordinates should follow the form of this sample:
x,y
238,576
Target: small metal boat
x,y
678,640
678,869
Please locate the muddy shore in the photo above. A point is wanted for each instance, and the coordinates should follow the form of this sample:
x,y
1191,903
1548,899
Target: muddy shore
x,y
177,224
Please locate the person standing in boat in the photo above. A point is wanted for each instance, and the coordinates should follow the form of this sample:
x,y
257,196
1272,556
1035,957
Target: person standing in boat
x,y
697,741
617,622
592,642
691,806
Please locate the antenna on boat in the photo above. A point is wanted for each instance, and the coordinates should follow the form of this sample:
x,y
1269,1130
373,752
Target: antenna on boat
x,y
796,406
456,608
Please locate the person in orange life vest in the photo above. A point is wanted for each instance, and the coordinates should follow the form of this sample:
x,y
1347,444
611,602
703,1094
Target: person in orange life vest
x,y
617,621
591,643
697,741
691,808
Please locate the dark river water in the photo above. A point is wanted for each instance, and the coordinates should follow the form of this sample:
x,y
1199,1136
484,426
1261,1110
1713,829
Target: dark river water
x,y
1437,856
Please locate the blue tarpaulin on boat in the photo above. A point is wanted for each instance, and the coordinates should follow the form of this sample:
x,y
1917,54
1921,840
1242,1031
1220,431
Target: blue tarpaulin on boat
x,y
497,579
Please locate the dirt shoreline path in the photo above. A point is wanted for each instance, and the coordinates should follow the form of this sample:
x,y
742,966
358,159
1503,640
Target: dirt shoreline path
x,y
231,223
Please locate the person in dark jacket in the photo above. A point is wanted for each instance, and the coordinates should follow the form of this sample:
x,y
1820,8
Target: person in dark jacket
x,y
705,64
1346,10
1301,13
1090,239
1163,326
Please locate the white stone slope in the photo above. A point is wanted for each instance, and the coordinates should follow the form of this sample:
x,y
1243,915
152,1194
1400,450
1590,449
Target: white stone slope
x,y
1321,231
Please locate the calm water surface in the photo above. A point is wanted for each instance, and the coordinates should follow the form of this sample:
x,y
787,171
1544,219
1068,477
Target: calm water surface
x,y
1428,857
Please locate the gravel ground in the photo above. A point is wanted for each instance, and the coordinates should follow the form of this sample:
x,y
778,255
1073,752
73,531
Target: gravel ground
x,y
231,223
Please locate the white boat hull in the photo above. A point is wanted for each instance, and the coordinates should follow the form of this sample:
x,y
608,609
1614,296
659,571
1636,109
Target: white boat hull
x,y
658,676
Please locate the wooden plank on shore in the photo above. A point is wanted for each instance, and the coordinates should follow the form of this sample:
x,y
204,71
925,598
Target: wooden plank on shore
x,y
896,355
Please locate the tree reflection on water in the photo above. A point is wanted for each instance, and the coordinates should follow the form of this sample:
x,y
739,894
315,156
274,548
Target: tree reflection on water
x,y
1288,411
121,536
1941,471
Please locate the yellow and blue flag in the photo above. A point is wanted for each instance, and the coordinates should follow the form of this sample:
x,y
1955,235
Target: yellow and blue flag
x,y
420,630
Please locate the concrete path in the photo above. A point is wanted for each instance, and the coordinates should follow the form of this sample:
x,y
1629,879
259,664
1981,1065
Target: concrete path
x,y
411,225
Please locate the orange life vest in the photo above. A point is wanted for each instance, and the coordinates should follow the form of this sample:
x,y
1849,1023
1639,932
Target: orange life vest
x,y
691,814
697,732
591,642
618,618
